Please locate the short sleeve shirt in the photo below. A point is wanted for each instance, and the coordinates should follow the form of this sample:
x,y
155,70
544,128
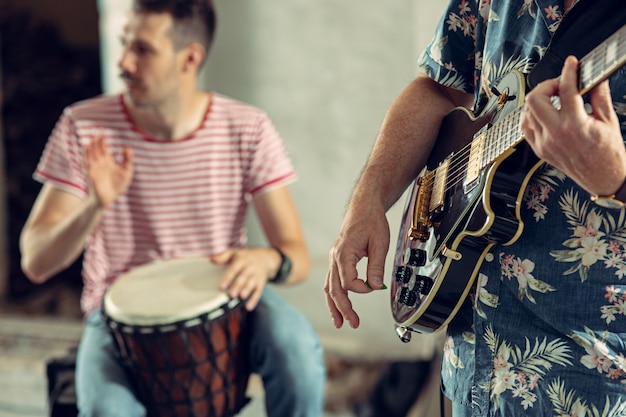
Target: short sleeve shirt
x,y
545,333
187,198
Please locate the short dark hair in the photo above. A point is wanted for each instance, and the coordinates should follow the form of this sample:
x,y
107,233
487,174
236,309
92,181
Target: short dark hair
x,y
194,20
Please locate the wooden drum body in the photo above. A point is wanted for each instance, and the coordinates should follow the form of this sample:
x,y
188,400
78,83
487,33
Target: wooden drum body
x,y
183,340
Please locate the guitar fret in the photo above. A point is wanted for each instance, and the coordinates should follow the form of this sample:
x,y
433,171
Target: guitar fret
x,y
611,53
586,71
599,63
491,135
500,137
496,133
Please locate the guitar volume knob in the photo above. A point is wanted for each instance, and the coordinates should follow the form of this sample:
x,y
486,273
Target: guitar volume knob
x,y
408,297
423,284
416,257
403,274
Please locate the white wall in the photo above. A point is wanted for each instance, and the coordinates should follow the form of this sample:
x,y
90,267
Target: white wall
x,y
325,71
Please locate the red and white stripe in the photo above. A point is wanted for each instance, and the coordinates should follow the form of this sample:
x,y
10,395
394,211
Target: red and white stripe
x,y
188,197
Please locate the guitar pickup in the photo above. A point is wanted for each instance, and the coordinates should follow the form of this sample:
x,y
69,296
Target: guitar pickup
x,y
475,160
440,179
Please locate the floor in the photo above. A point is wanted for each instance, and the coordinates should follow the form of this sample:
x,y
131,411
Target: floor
x,y
26,344
355,358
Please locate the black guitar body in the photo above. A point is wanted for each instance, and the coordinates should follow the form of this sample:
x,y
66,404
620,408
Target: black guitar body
x,y
435,268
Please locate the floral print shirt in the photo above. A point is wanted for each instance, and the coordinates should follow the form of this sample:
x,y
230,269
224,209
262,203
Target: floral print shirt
x,y
545,333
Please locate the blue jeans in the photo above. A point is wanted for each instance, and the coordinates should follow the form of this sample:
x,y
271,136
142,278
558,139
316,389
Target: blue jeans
x,y
461,410
284,351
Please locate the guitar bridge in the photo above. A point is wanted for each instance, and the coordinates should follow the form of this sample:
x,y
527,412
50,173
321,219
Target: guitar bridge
x,y
421,215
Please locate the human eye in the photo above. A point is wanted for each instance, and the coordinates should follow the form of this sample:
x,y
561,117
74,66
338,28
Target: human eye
x,y
141,49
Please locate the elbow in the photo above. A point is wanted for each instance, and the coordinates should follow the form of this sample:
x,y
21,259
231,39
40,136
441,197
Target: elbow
x,y
33,271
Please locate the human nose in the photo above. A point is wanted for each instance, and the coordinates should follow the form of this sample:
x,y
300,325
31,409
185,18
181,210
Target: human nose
x,y
126,63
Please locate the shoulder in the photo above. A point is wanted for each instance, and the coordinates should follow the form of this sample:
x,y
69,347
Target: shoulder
x,y
101,112
96,104
99,107
224,107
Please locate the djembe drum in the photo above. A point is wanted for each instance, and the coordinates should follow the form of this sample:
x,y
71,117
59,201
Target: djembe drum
x,y
183,341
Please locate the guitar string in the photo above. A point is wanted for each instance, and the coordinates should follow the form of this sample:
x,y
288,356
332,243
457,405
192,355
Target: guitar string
x,y
459,162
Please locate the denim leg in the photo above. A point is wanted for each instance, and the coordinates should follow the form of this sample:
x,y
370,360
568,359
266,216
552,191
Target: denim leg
x,y
103,388
286,352
461,410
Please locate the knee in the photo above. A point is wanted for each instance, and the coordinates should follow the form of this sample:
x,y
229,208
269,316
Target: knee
x,y
300,356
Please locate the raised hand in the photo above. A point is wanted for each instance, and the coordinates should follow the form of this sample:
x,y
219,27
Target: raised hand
x,y
109,178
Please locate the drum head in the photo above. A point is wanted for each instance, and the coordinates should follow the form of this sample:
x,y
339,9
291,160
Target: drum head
x,y
166,291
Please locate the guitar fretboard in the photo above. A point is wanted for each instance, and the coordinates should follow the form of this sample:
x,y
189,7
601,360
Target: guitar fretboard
x,y
602,61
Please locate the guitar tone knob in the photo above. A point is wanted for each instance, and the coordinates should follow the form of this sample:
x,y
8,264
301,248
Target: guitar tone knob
x,y
403,274
423,284
417,257
408,297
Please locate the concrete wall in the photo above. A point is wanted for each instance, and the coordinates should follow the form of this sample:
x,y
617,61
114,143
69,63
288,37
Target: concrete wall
x,y
325,71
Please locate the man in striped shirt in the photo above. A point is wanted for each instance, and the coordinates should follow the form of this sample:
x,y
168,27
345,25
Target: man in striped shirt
x,y
165,170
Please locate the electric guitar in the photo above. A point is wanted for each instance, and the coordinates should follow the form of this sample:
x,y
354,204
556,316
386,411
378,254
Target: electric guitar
x,y
468,198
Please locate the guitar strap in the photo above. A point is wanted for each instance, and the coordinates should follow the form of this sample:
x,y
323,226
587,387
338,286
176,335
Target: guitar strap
x,y
583,28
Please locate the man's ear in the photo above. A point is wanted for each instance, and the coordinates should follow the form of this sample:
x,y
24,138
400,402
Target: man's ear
x,y
194,57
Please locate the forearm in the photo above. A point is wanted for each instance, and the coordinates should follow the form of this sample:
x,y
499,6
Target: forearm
x,y
405,140
49,247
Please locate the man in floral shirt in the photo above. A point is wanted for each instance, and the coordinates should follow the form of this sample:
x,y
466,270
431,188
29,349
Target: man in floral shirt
x,y
545,334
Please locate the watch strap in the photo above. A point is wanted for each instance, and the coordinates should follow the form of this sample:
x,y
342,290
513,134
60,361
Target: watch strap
x,y
621,193
284,270
619,197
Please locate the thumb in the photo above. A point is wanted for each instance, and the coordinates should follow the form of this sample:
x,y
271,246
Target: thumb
x,y
376,266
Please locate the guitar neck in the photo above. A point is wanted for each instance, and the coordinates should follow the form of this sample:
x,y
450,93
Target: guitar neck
x,y
602,61
494,142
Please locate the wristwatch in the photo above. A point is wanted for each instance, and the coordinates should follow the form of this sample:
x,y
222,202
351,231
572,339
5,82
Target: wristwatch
x,y
613,201
283,270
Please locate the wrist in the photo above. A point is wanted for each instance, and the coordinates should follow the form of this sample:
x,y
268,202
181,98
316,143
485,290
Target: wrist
x,y
617,200
284,268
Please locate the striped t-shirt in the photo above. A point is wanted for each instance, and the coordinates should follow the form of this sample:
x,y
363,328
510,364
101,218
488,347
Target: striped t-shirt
x,y
187,198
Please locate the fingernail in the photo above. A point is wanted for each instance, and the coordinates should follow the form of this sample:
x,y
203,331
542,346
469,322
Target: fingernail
x,y
384,287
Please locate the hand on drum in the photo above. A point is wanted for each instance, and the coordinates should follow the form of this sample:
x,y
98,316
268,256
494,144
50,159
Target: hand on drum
x,y
109,178
247,273
364,233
